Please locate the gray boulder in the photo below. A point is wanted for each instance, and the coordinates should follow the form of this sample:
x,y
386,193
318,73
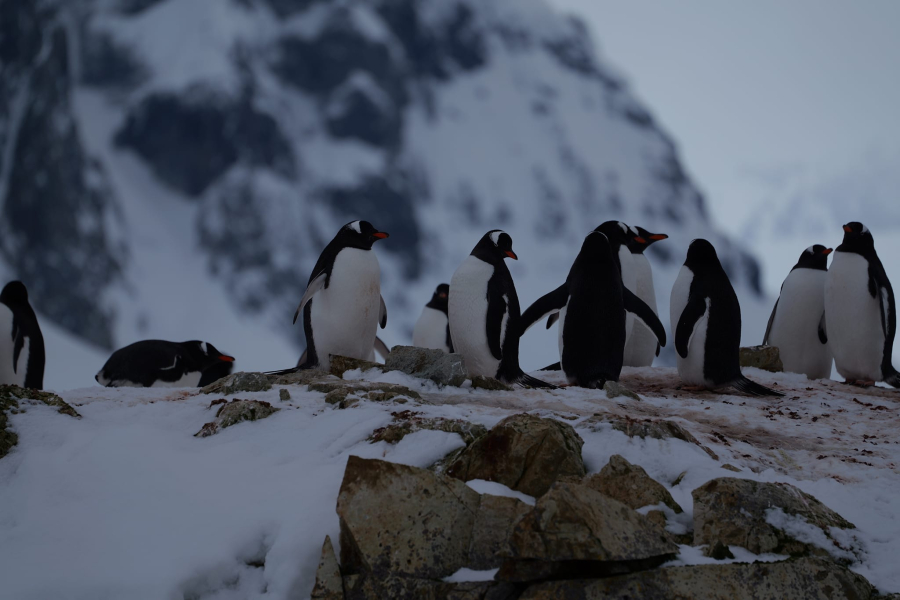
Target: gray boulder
x,y
480,382
407,421
494,524
342,364
328,584
523,452
394,587
630,485
425,363
646,428
234,412
767,358
238,382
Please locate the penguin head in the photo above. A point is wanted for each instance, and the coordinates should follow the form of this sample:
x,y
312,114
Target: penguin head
x,y
596,246
440,297
701,254
205,354
494,246
814,257
359,234
641,239
857,238
14,294
617,232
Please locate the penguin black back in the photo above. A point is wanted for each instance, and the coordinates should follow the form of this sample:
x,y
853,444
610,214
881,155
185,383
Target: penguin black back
x,y
160,362
25,335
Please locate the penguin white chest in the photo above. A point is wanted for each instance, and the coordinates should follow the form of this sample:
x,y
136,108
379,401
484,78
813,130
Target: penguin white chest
x,y
468,316
690,368
431,330
795,329
11,373
853,318
345,314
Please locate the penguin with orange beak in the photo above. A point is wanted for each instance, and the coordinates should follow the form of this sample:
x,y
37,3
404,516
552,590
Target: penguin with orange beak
x,y
642,346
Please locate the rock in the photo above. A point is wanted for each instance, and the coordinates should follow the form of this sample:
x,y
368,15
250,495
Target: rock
x,y
718,551
341,364
407,422
657,517
235,412
614,389
238,382
403,520
630,485
346,394
304,377
575,531
730,467
328,576
735,512
480,382
11,399
436,365
767,358
645,428
284,395
494,522
523,452
393,587
800,579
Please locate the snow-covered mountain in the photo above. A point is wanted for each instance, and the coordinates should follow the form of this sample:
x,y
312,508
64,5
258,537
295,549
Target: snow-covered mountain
x,y
172,168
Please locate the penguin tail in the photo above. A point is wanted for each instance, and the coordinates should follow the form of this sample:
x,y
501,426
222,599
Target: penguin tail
x,y
282,371
554,367
893,378
742,384
526,380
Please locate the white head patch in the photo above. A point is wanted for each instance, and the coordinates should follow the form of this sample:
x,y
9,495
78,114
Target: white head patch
x,y
495,236
864,229
204,348
810,250
354,226
623,226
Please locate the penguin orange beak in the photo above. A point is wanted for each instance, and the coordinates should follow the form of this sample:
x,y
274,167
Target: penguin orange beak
x,y
658,236
226,358
847,229
827,251
380,235
640,240
512,255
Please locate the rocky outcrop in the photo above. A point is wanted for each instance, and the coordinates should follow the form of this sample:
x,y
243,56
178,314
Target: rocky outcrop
x,y
480,382
329,585
12,399
646,428
767,358
801,579
767,518
238,382
523,452
436,365
630,485
234,412
345,394
341,364
614,389
494,525
406,422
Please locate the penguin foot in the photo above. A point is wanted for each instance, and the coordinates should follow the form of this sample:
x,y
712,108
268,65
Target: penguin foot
x,y
863,383
693,388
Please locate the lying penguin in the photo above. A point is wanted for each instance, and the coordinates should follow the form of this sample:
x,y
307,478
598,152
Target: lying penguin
x,y
158,363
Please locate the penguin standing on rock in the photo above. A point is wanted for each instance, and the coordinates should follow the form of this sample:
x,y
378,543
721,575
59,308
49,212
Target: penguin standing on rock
x,y
485,319
860,311
592,304
642,346
158,363
432,330
21,342
797,325
706,315
342,306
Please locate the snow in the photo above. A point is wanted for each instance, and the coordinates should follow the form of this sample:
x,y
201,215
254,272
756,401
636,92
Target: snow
x,y
498,489
465,574
804,531
693,555
125,502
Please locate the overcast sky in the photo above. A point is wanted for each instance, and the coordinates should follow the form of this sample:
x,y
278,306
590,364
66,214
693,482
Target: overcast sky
x,y
763,96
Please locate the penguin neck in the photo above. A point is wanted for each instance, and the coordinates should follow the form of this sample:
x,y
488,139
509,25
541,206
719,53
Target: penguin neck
x,y
488,255
438,304
866,250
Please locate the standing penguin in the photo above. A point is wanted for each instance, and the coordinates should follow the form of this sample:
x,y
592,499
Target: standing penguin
x,y
158,363
21,341
642,346
485,319
592,304
860,311
342,306
432,330
797,324
706,315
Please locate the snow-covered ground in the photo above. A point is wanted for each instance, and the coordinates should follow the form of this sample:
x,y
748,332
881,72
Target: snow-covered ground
x,y
125,502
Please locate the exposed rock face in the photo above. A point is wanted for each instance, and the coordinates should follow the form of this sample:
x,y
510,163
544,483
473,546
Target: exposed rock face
x,y
737,512
523,452
767,358
403,520
345,394
574,529
238,382
304,377
329,585
644,428
12,397
341,364
801,579
362,587
614,389
630,485
497,517
480,382
436,365
406,422
234,412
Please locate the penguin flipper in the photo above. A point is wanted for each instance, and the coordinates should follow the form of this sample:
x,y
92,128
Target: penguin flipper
x,y
692,312
885,295
639,308
823,332
314,286
382,314
554,367
497,314
747,386
548,304
772,320
381,348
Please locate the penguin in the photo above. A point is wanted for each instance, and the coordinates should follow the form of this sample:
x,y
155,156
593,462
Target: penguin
x,y
342,306
485,319
592,304
642,346
21,342
860,311
706,315
797,323
432,330
158,363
